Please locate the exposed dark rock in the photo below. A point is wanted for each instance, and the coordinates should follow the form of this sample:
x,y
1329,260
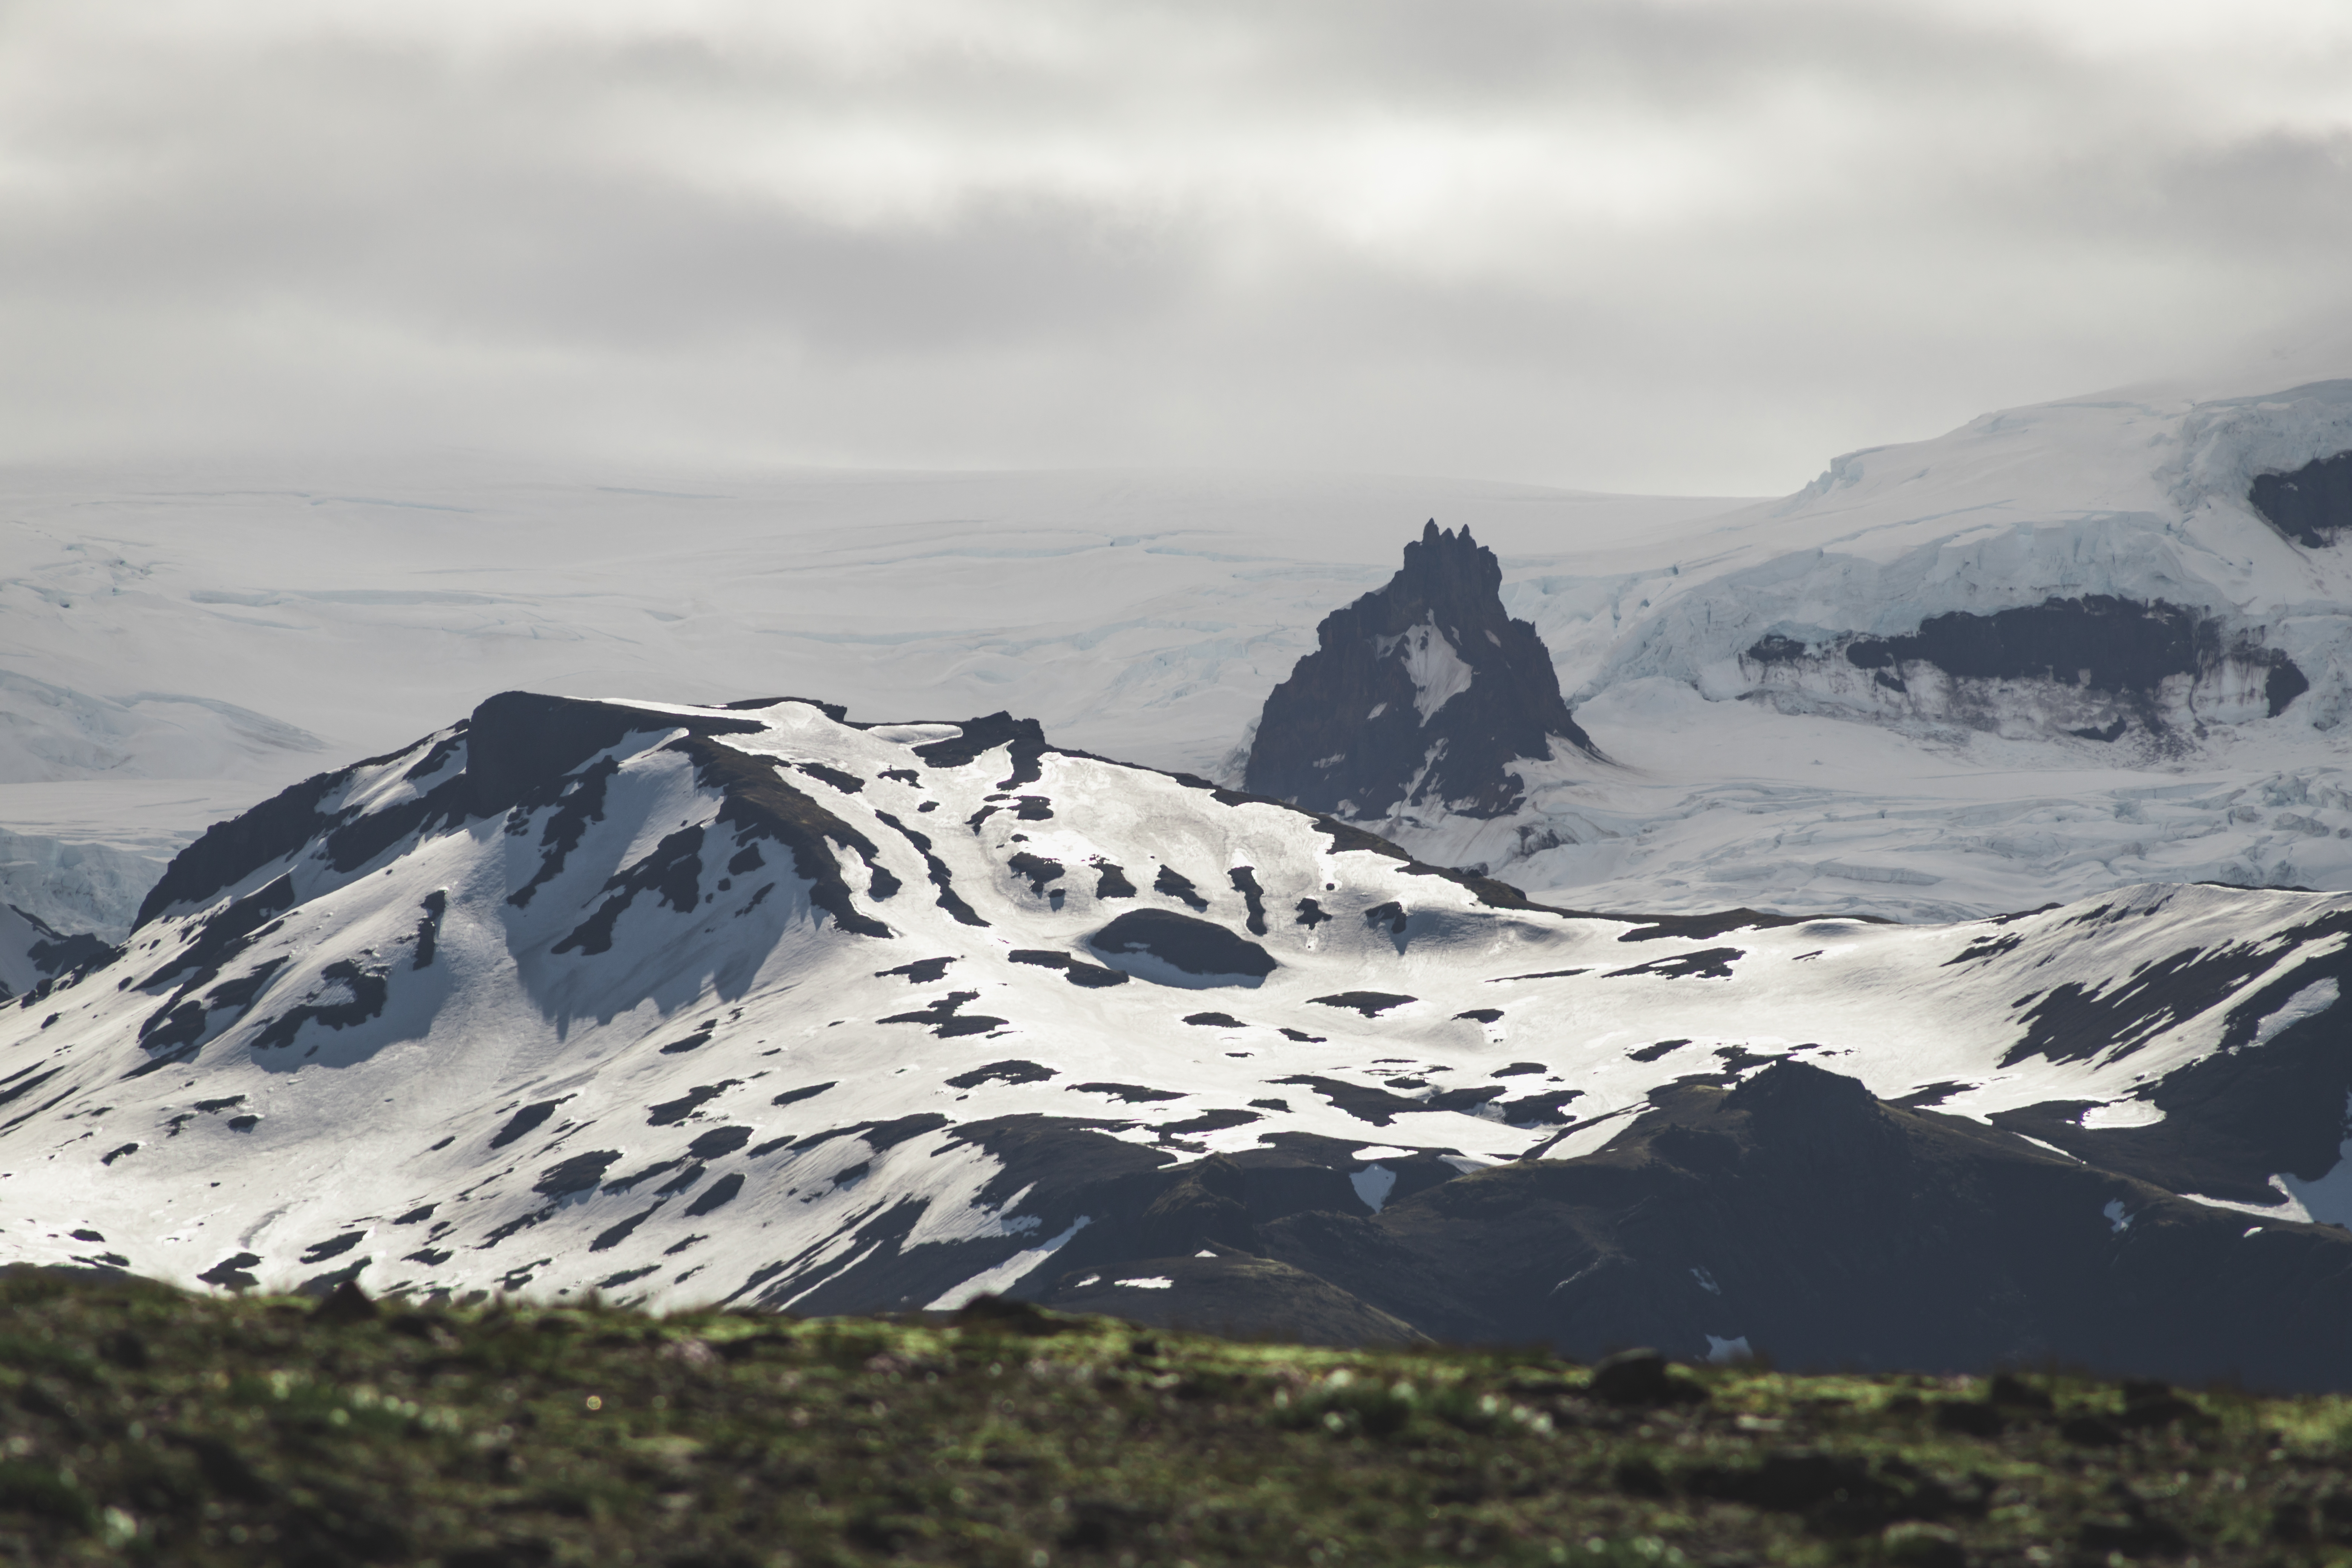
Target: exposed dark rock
x,y
1214,1021
942,882
717,1142
519,740
1371,1004
229,1273
1420,693
576,1174
921,972
1025,739
1180,888
1130,1093
2121,649
525,1120
369,991
1110,882
942,1016
582,803
1829,1229
793,1096
428,929
846,783
720,1193
1706,963
702,1035
1011,1072
2313,505
1193,946
56,953
1541,1109
670,1113
760,805
1244,881
1035,869
1362,1102
673,872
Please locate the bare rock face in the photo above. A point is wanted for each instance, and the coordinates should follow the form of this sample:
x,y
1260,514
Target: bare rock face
x,y
1420,693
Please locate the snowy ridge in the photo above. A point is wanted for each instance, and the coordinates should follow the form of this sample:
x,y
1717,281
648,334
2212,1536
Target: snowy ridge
x,y
756,1004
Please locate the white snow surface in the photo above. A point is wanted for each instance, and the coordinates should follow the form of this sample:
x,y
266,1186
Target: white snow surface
x,y
426,1143
176,643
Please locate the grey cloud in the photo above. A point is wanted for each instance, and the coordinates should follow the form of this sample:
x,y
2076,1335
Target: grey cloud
x,y
1129,244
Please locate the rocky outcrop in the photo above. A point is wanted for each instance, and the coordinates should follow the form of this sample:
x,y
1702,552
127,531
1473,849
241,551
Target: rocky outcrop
x,y
2313,505
2095,668
1423,693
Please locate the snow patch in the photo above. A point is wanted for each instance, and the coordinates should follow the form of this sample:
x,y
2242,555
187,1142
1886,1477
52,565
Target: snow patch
x,y
1722,1352
2288,1209
1005,1276
2308,1003
1373,1184
1438,674
2123,1113
2117,1218
1149,1282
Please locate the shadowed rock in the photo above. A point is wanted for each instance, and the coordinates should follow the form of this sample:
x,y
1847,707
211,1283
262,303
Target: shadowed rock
x,y
1420,693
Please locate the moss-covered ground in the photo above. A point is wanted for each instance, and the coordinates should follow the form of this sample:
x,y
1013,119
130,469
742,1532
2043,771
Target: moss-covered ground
x,y
143,1425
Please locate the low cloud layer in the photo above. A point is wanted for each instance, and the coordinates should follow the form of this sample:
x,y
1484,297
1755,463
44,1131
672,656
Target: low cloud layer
x,y
1686,245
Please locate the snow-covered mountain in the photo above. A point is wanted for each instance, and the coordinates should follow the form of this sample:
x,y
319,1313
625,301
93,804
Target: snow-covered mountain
x,y
1802,699
752,1004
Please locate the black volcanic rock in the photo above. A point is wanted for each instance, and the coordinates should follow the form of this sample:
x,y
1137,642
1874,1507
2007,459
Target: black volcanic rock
x,y
2125,649
2313,505
1420,693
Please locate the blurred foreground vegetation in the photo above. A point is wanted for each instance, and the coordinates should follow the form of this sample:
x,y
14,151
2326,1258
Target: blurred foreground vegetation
x,y
143,1425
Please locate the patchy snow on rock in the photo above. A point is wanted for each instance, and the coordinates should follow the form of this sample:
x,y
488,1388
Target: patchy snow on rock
x,y
690,1003
1437,672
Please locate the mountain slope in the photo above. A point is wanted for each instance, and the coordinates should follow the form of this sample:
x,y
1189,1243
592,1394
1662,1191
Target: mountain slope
x,y
757,1005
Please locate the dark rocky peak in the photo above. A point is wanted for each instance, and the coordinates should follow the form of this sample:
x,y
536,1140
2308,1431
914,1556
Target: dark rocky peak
x,y
2313,505
1418,694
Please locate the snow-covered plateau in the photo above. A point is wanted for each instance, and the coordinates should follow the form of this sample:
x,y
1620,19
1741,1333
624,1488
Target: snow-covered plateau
x,y
753,1004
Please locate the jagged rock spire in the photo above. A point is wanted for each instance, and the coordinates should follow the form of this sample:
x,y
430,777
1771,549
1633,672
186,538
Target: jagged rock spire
x,y
1419,694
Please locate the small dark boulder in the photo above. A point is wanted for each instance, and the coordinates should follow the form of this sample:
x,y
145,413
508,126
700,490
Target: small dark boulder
x,y
1642,1377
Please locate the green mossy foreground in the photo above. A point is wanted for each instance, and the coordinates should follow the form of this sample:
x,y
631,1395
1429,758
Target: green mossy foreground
x,y
144,1425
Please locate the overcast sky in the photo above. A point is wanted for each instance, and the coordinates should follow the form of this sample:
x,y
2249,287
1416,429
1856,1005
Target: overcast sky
x,y
1692,246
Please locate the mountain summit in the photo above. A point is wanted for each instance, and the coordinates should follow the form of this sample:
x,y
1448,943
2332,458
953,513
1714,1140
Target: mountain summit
x,y
1420,693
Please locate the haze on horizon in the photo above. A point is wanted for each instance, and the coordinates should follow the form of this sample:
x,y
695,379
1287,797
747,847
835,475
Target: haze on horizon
x,y
1682,245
